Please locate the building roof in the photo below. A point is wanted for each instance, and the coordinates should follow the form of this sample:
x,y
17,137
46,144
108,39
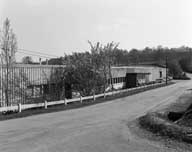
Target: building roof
x,y
123,70
154,64
34,74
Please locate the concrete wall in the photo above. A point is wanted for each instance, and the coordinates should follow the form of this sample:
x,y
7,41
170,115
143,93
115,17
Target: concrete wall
x,y
155,73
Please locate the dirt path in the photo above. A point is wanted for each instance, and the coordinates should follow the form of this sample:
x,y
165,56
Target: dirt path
x,y
98,128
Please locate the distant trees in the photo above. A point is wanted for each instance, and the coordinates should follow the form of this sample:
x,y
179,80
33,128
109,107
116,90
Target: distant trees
x,y
8,44
27,60
54,61
174,68
89,72
186,63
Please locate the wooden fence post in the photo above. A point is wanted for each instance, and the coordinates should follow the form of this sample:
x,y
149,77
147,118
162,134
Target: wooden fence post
x,y
19,107
104,95
65,101
94,97
45,104
81,99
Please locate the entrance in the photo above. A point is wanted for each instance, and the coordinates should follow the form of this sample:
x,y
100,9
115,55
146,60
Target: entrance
x,y
131,80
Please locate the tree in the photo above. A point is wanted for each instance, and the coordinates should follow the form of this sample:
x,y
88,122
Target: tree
x,y
175,68
109,59
27,60
54,61
186,64
79,73
134,56
96,61
8,44
103,57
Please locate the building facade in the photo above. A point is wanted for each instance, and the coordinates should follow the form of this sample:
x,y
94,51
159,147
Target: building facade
x,y
32,83
36,83
132,76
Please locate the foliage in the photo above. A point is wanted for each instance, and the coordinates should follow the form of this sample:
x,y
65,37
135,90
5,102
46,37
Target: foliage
x,y
174,68
54,61
80,73
27,60
88,72
103,57
186,64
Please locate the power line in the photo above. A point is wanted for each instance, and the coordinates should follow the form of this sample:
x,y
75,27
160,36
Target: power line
x,y
35,55
37,52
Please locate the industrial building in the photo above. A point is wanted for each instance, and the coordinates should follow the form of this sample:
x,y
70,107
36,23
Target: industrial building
x,y
132,76
29,83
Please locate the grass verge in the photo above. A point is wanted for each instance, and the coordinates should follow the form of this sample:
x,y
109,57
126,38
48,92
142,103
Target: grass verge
x,y
160,124
156,123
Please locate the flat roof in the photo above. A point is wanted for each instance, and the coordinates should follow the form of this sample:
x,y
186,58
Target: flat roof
x,y
36,66
136,66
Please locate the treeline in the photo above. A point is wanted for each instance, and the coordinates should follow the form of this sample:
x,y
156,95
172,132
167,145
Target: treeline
x,y
178,59
88,71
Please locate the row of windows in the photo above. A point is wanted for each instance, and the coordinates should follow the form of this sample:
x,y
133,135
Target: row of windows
x,y
141,76
116,80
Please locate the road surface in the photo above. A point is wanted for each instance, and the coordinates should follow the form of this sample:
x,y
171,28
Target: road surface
x,y
98,128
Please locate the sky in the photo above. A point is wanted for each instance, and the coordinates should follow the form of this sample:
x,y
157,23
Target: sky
x,y
64,26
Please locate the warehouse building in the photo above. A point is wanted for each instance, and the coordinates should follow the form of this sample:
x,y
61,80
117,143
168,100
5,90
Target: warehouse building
x,y
39,82
132,76
32,83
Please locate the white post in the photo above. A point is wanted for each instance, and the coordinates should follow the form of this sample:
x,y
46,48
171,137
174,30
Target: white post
x,y
45,104
65,101
19,107
81,99
94,97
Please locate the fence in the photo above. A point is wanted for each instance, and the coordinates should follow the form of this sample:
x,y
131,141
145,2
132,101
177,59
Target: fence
x,y
25,84
45,104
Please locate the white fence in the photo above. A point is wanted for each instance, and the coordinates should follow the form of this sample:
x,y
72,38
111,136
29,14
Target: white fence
x,y
21,107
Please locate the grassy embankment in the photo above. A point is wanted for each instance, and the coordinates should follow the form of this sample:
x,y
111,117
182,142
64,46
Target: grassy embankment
x,y
174,121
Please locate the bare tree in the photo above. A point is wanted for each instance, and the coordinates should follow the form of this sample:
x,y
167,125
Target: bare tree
x,y
109,58
103,58
96,61
8,45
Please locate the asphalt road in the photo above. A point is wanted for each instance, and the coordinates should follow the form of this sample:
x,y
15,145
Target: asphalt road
x,y
98,128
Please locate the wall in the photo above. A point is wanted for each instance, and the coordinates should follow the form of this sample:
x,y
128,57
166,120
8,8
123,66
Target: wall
x,y
26,82
145,74
155,73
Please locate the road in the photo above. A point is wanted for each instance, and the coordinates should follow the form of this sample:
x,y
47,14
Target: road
x,y
97,128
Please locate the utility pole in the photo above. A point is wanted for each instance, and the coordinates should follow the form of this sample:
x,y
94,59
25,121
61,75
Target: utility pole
x,y
166,69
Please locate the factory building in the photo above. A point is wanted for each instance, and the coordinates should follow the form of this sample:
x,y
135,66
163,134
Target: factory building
x,y
38,82
132,76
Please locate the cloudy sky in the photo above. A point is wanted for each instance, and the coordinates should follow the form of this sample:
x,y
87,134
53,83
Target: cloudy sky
x,y
64,26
